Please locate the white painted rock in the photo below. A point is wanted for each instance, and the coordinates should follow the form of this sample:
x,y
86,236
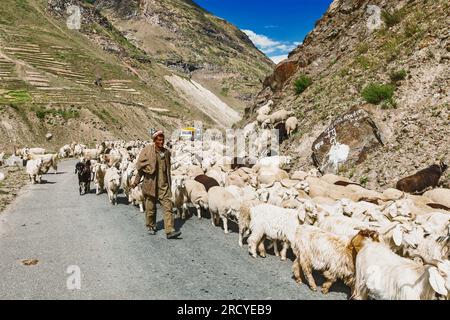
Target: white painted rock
x,y
2,176
347,141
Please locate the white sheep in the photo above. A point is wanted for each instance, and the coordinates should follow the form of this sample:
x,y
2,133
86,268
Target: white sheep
x,y
267,176
265,109
136,197
197,196
276,223
179,195
440,196
223,205
48,161
382,274
91,153
33,170
291,125
250,128
65,151
272,162
218,174
260,119
320,250
99,171
128,174
112,184
276,194
280,116
343,226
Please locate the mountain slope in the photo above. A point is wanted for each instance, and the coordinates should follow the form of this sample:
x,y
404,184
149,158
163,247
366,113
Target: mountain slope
x,y
48,71
408,49
183,36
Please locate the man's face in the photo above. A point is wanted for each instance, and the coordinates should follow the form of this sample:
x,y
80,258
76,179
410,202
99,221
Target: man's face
x,y
159,142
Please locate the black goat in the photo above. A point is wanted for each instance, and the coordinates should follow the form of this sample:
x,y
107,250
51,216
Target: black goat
x,y
84,176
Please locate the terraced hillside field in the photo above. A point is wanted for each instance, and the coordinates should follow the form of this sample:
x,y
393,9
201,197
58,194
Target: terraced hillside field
x,y
83,85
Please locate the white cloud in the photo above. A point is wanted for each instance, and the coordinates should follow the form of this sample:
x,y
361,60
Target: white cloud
x,y
278,59
270,26
261,41
278,50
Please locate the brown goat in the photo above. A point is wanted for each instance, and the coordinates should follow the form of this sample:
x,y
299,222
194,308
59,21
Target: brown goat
x,y
422,180
208,182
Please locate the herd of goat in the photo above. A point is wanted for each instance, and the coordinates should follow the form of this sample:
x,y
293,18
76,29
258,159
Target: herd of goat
x,y
382,245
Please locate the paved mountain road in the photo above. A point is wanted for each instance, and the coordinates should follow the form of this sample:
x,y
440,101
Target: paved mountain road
x,y
119,260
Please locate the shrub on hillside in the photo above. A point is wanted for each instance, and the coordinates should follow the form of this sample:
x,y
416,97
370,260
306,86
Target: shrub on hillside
x,y
392,18
376,93
302,83
397,76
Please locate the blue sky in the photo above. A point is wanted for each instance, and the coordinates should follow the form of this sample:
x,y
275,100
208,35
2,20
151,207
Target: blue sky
x,y
275,26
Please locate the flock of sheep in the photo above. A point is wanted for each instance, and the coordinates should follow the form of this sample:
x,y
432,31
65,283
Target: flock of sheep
x,y
383,245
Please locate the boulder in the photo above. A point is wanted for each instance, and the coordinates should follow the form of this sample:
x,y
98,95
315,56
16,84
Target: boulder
x,y
283,72
2,176
348,140
49,136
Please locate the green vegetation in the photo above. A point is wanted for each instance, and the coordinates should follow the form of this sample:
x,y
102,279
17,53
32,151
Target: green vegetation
x,y
302,83
377,93
392,49
15,97
363,62
392,18
363,180
66,114
344,72
362,48
411,29
397,76
105,116
225,91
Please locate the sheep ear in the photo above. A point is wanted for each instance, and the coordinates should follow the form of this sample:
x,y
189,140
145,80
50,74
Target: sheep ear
x,y
437,282
398,235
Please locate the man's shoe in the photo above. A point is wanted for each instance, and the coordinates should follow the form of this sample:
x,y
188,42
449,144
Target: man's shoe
x,y
173,235
152,231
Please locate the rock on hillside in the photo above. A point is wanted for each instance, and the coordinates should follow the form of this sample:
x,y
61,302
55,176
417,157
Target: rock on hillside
x,y
395,45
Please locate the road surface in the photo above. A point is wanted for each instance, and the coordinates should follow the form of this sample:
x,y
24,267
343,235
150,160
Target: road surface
x,y
117,259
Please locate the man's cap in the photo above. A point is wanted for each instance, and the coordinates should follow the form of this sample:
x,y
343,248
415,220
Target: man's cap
x,y
157,134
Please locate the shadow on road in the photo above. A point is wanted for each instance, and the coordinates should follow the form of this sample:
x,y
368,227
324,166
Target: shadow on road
x,y
123,200
47,182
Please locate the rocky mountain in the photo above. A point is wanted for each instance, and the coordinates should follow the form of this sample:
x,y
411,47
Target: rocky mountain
x,y
370,87
183,36
121,68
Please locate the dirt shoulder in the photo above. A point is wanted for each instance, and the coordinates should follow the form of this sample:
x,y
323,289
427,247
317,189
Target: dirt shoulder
x,y
16,179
